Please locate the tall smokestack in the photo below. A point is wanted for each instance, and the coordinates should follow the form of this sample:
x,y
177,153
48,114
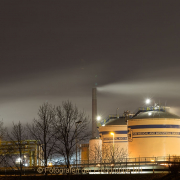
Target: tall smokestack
x,y
94,142
94,113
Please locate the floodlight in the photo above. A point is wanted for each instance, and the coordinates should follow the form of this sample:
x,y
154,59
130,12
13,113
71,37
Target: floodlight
x,y
98,118
148,101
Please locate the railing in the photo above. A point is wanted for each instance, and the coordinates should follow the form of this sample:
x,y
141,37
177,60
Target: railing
x,y
142,160
153,108
146,164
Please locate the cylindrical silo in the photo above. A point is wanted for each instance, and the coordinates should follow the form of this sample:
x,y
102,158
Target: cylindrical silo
x,y
118,127
95,150
154,134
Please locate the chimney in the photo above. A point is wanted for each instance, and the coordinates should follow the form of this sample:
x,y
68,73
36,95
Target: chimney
x,y
94,113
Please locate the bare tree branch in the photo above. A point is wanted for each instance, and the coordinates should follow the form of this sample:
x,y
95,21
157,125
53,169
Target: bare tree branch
x,y
41,130
71,127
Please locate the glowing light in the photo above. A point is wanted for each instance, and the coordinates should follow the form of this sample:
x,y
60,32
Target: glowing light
x,y
152,160
148,101
50,164
112,133
18,160
149,113
165,164
98,118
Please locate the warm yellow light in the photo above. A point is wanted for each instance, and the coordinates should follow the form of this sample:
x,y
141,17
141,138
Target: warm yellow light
x,y
165,164
112,133
152,160
50,164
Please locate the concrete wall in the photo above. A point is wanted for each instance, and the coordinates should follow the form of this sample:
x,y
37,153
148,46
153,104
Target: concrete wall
x,y
84,153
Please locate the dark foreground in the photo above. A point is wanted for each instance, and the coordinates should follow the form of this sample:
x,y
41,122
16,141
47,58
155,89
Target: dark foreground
x,y
98,177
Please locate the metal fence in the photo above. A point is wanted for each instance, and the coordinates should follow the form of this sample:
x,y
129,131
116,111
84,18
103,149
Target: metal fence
x,y
143,164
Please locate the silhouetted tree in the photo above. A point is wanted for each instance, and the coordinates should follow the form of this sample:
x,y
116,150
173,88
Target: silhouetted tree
x,y
71,127
2,130
2,135
16,146
42,131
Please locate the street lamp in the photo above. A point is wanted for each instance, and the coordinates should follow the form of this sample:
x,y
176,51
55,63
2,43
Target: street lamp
x,y
113,144
76,123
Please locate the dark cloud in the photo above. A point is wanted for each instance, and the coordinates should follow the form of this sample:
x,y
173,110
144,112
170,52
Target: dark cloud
x,y
58,50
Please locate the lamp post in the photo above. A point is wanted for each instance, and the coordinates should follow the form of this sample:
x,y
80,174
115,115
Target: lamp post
x,y
113,144
78,122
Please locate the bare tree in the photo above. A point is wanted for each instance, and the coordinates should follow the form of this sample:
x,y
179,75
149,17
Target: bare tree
x,y
15,148
118,155
2,134
71,127
119,152
95,152
2,130
42,131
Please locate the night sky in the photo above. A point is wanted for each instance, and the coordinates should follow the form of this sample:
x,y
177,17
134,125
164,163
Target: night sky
x,y
57,50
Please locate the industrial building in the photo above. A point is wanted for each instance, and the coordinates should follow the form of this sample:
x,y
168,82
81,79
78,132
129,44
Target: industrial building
x,y
30,151
114,138
151,132
154,133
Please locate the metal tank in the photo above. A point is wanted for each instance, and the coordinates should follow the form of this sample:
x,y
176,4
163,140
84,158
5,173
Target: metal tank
x,y
154,133
114,139
95,151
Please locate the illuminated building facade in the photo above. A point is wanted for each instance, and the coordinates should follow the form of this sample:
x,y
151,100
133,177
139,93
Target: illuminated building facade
x,y
154,133
151,132
114,139
31,153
